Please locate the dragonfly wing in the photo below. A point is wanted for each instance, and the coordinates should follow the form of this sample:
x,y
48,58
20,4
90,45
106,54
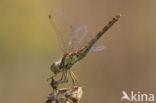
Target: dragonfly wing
x,y
63,28
98,48
79,32
69,35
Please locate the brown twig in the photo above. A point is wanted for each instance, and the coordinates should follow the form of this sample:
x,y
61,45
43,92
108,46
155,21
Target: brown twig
x,y
64,95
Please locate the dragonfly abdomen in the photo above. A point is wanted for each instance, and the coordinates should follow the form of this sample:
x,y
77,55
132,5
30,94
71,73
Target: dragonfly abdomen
x,y
86,48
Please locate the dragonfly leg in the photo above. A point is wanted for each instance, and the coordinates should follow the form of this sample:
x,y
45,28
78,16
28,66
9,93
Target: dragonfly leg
x,y
65,76
62,76
52,77
74,78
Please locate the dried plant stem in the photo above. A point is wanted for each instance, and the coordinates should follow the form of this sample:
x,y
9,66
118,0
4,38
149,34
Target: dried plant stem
x,y
64,95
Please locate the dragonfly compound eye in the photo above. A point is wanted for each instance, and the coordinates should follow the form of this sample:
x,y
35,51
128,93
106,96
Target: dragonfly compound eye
x,y
55,68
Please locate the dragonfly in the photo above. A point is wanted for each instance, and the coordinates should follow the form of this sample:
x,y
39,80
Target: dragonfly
x,y
75,47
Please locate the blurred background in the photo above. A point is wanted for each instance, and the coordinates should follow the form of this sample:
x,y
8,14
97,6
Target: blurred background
x,y
29,45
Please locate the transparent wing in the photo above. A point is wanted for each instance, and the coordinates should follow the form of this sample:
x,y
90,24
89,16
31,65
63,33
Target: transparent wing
x,y
79,32
86,38
69,35
98,48
63,28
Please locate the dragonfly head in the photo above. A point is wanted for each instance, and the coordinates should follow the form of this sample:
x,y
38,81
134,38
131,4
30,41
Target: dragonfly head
x,y
55,67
